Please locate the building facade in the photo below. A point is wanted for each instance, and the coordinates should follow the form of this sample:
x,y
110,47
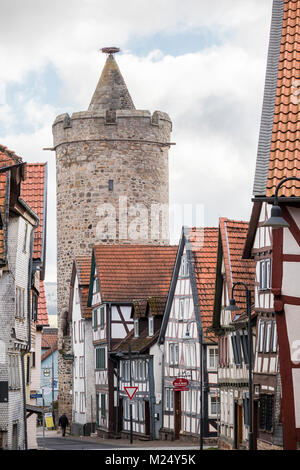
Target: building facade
x,y
278,158
232,332
189,309
112,158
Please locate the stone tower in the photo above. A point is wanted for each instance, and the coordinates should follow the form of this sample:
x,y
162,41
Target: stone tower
x,y
112,174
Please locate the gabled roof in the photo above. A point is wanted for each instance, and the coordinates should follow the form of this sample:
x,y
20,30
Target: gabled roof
x,y
204,243
131,272
82,267
232,236
42,315
201,247
111,92
278,149
138,345
34,192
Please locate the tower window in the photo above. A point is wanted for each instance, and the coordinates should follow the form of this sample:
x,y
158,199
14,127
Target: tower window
x,y
110,185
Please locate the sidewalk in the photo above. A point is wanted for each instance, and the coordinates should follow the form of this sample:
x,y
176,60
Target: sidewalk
x,y
157,444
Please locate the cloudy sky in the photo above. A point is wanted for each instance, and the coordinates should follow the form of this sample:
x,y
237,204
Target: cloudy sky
x,y
201,61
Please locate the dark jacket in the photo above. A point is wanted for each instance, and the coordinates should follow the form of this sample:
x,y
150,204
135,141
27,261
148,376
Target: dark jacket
x,y
63,421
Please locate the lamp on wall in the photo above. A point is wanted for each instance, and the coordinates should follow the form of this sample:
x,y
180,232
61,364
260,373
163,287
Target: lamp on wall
x,y
276,220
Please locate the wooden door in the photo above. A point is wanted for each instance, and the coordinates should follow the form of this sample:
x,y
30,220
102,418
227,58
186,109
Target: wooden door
x,y
235,426
177,414
147,418
15,437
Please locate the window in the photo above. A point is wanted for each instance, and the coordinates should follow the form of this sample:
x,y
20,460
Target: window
x,y
110,185
268,336
190,354
173,353
33,359
34,306
82,402
261,334
125,370
274,339
20,302
184,268
28,370
81,366
136,328
181,309
25,238
236,347
244,341
265,274
102,316
140,369
76,401
266,405
95,319
96,285
77,296
74,332
150,326
214,405
212,358
184,305
13,371
169,399
100,358
75,367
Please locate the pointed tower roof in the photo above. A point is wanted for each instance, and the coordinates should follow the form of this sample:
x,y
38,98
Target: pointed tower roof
x,y
111,92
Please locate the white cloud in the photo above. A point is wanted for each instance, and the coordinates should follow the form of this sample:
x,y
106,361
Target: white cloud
x,y
213,96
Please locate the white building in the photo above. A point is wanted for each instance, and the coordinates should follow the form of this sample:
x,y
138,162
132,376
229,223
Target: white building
x,y
80,317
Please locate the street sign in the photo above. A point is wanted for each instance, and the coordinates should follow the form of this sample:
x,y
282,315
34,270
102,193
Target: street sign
x,y
180,384
131,391
36,395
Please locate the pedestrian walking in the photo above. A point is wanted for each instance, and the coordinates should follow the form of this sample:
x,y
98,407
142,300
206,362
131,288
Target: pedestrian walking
x,y
63,423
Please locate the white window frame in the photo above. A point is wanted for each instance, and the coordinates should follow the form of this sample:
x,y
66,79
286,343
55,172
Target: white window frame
x,y
81,367
261,335
173,354
169,399
215,358
136,328
274,337
150,326
82,402
184,267
267,347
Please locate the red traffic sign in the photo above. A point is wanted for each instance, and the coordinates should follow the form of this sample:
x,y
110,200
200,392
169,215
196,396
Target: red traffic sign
x,y
130,391
180,384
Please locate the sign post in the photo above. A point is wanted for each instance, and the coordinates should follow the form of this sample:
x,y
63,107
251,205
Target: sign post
x,y
181,385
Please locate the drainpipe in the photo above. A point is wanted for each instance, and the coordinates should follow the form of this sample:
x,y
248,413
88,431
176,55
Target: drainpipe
x,y
162,383
151,398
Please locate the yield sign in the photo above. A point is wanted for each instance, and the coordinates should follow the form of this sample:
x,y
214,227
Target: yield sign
x,y
130,391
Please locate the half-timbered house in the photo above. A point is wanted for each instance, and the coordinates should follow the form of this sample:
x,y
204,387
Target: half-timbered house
x,y
189,309
232,331
83,380
120,276
139,364
277,251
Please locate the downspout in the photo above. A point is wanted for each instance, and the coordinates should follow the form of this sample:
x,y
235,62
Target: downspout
x,y
162,383
151,399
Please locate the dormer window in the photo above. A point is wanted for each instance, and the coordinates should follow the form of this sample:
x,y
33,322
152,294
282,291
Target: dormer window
x,y
151,326
136,328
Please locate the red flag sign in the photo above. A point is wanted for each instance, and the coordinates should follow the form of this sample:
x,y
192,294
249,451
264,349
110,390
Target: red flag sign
x,y
130,391
180,384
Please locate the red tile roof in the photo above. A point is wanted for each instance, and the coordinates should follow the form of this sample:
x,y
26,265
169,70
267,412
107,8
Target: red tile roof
x,y
204,245
132,272
49,338
233,236
285,149
33,193
83,269
42,316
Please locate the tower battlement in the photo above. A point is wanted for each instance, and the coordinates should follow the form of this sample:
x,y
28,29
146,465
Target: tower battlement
x,y
132,125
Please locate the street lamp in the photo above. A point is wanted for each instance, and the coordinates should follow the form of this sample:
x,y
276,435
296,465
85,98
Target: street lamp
x,y
276,220
233,307
187,337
